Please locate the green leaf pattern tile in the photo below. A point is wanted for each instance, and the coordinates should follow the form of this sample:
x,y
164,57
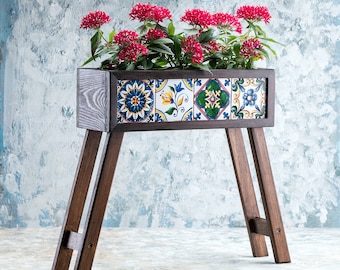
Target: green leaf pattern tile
x,y
212,99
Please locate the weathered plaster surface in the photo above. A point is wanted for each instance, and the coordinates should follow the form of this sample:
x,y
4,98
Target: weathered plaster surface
x,y
167,179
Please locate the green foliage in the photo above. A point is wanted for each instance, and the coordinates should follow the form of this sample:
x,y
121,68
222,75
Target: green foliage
x,y
168,52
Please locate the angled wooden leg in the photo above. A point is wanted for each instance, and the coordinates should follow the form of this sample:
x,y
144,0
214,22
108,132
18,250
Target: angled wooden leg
x,y
268,194
77,199
246,189
99,200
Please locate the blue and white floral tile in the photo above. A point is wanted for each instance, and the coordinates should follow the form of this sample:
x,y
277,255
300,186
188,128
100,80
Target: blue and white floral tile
x,y
173,100
248,98
212,99
135,101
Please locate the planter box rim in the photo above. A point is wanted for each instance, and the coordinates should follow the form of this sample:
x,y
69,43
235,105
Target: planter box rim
x,y
183,73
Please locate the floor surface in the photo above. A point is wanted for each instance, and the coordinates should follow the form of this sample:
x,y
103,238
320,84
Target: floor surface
x,y
165,249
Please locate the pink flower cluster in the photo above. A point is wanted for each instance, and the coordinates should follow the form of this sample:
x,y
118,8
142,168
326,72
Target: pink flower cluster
x,y
254,13
148,12
94,20
131,48
194,49
204,19
154,34
226,20
132,52
212,46
250,48
199,17
125,37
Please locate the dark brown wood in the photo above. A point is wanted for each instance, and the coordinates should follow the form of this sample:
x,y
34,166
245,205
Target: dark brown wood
x,y
268,194
246,189
99,200
77,199
86,243
97,99
259,225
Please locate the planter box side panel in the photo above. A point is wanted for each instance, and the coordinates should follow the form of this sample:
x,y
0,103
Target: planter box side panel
x,y
93,99
138,100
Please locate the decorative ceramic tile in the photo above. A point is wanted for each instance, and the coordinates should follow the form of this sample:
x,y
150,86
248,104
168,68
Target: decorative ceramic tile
x,y
174,100
212,99
135,101
248,98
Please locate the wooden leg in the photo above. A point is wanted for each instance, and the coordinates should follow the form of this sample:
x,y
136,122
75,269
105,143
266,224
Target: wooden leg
x,y
246,189
99,200
268,194
77,199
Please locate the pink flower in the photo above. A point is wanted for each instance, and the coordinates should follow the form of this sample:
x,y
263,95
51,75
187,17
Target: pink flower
x,y
254,13
154,34
148,12
250,48
132,52
198,17
226,20
194,49
94,20
212,46
125,37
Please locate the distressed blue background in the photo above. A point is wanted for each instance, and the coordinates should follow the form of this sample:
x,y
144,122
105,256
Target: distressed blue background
x,y
165,179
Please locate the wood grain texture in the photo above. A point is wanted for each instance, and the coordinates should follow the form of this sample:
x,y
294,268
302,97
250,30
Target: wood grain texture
x,y
76,203
93,99
97,99
246,189
100,195
259,225
268,194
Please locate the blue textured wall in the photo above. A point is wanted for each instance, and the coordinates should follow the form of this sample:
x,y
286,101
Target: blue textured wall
x,y
165,179
8,15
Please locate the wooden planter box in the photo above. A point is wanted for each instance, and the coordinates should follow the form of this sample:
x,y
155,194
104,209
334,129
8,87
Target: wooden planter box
x,y
112,100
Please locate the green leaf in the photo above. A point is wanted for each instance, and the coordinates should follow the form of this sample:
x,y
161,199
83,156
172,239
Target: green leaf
x,y
259,31
272,40
264,53
147,64
269,48
178,47
142,30
131,66
163,41
224,98
206,36
170,111
191,32
111,35
88,61
212,112
161,63
171,28
237,48
161,48
95,42
231,66
201,99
